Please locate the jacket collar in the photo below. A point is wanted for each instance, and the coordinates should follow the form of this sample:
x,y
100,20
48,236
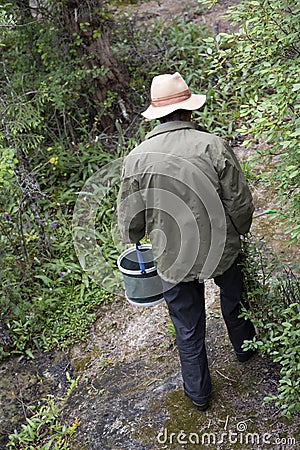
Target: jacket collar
x,y
170,126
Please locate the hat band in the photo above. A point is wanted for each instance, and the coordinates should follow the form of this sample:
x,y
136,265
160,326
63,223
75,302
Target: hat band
x,y
171,99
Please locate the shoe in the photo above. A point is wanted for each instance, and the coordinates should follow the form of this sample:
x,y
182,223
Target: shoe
x,y
246,356
201,406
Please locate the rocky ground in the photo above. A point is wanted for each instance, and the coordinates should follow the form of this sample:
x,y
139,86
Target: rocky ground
x,y
193,10
131,397
130,390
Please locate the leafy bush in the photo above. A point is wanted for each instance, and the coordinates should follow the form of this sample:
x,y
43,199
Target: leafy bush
x,y
43,429
258,69
273,299
50,145
49,301
185,47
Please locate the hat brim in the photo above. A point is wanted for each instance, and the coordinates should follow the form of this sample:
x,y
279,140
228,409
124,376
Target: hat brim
x,y
194,102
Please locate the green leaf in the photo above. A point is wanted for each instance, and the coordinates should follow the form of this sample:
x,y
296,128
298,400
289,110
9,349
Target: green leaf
x,y
29,353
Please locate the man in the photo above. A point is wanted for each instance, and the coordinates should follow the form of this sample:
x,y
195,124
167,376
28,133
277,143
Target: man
x,y
184,187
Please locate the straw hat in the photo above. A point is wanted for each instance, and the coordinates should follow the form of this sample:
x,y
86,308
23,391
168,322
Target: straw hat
x,y
169,93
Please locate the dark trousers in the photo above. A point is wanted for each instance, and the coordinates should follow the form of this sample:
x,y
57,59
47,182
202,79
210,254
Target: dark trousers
x,y
186,305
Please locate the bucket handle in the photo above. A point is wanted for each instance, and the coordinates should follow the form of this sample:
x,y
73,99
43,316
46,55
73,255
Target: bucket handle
x,y
140,258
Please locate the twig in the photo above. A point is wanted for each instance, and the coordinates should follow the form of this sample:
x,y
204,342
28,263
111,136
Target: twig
x,y
21,399
224,376
17,25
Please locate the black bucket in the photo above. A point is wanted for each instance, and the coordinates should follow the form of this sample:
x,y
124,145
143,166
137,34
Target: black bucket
x,y
143,286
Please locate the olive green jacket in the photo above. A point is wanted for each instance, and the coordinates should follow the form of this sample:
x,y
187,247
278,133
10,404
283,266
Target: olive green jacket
x,y
186,190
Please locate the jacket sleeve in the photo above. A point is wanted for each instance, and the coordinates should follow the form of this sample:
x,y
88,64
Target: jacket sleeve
x,y
235,193
131,211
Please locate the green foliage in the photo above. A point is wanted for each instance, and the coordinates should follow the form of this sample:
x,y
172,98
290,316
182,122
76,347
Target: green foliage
x,y
48,303
273,299
47,300
171,330
258,69
272,54
43,429
8,163
51,84
182,47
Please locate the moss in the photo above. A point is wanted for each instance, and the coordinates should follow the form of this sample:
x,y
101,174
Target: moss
x,y
186,427
94,356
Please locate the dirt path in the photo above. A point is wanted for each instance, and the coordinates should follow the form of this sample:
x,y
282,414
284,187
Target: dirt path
x,y
131,394
193,10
